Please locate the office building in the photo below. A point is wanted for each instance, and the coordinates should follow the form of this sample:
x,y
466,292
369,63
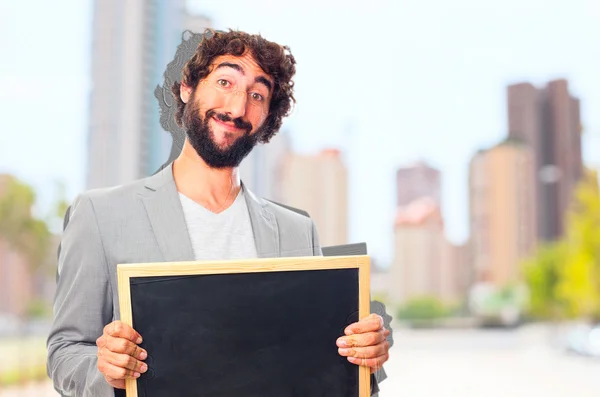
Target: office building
x,y
133,41
502,220
418,243
318,184
417,181
548,120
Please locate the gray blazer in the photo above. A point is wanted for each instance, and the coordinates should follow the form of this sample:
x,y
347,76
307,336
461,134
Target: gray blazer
x,y
138,222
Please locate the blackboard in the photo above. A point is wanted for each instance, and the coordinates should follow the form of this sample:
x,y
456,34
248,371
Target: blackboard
x,y
261,327
345,249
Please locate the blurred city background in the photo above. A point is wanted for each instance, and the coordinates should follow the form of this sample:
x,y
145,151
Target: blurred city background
x,y
460,140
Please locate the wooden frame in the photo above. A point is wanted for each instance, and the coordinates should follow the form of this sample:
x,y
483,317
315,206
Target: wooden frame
x,y
361,262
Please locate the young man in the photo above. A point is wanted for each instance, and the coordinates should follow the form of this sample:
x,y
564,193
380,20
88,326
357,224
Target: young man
x,y
234,93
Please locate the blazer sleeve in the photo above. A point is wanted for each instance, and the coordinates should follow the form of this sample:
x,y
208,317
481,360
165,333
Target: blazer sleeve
x,y
316,245
82,307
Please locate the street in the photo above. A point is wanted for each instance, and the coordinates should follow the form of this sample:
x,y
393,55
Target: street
x,y
490,363
468,363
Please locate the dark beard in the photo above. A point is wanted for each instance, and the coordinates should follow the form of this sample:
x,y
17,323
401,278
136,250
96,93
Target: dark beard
x,y
201,138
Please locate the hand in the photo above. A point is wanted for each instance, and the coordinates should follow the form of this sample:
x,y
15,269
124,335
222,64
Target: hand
x,y
119,354
365,343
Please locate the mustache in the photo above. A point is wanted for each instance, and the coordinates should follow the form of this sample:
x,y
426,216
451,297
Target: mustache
x,y
238,122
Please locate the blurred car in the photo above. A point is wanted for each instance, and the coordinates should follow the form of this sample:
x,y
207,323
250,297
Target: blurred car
x,y
493,306
594,342
584,340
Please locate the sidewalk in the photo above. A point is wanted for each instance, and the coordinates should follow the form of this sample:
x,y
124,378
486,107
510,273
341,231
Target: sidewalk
x,y
39,389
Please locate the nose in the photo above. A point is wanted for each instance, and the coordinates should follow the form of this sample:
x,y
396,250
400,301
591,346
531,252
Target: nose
x,y
236,104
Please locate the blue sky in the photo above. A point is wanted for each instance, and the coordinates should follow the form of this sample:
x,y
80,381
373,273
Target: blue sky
x,y
389,82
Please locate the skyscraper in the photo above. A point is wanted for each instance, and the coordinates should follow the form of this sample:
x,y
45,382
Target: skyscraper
x,y
456,275
133,41
160,141
417,181
419,243
318,184
548,119
503,224
425,263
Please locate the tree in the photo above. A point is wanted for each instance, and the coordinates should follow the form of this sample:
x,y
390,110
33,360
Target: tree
x,y
542,275
422,308
564,276
18,227
579,281
25,234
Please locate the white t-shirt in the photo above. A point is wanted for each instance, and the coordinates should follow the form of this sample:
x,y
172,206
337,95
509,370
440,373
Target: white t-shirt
x,y
223,236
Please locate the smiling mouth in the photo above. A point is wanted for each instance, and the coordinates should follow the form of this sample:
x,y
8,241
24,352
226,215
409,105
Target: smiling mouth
x,y
230,127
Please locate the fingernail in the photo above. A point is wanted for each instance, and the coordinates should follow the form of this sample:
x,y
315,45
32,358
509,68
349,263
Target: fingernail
x,y
139,340
352,360
143,355
344,351
144,368
342,343
348,332
136,374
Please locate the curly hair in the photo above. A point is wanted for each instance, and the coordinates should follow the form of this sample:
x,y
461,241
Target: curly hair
x,y
276,60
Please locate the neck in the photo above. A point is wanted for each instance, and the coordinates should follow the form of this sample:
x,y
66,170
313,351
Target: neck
x,y
198,181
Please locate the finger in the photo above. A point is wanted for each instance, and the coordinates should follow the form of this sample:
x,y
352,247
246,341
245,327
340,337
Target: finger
x,y
375,369
116,383
380,363
121,330
365,352
115,372
362,340
101,341
371,323
375,363
124,361
122,345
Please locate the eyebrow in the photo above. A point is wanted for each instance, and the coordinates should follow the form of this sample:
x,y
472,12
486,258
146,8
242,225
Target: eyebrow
x,y
260,79
263,80
230,65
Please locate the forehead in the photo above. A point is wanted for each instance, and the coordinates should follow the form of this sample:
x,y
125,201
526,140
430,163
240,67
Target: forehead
x,y
246,62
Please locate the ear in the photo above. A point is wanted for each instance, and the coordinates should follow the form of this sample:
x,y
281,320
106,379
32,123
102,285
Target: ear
x,y
185,92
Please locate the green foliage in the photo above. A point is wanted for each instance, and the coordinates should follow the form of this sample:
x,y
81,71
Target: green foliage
x,y
38,308
423,308
23,360
579,281
381,297
15,376
542,274
507,296
563,277
57,213
18,227
29,235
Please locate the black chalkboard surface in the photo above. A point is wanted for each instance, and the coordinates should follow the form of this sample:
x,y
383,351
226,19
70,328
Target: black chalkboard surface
x,y
265,327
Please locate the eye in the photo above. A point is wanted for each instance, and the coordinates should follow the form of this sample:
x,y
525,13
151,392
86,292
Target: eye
x,y
223,83
257,96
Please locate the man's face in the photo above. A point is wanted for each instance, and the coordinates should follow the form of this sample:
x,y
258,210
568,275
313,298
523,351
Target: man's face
x,y
225,114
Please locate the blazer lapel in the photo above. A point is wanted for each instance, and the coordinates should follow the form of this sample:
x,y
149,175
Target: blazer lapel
x,y
164,210
264,226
